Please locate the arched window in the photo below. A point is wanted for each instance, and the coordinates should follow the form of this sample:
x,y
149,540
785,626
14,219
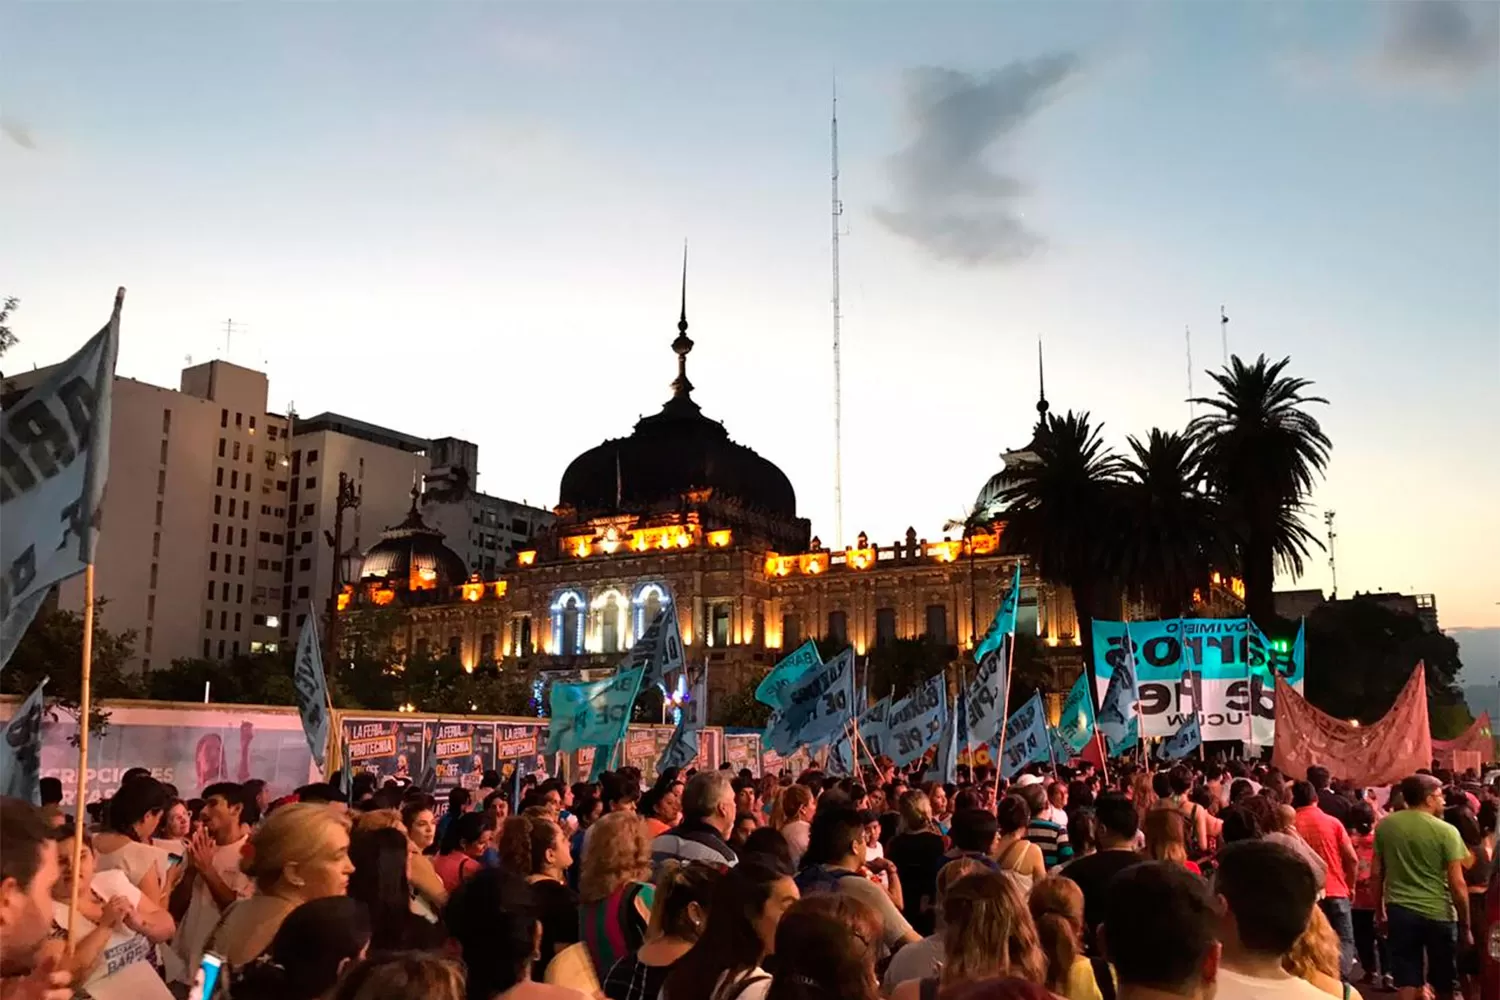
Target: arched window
x,y
609,609
649,599
568,620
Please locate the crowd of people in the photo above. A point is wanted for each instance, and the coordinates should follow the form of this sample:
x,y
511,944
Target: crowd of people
x,y
1197,880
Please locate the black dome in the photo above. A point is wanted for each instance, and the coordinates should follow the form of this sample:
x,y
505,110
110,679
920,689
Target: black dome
x,y
411,549
673,452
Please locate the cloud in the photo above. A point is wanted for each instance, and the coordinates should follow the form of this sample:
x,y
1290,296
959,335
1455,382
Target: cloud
x,y
1441,41
947,197
17,132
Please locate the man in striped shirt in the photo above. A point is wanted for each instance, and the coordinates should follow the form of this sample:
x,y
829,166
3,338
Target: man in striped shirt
x,y
1045,834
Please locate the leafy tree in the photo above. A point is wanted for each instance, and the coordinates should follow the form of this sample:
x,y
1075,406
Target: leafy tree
x,y
53,648
904,664
443,686
1262,452
1173,538
7,338
1062,510
739,708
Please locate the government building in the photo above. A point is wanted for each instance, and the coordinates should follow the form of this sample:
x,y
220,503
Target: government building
x,y
678,511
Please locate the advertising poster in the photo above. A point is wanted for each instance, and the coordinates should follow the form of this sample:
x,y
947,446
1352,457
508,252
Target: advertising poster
x,y
772,762
742,751
388,748
519,747
643,746
191,747
463,751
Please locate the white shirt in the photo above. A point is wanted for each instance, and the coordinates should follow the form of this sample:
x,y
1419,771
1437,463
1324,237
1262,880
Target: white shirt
x,y
135,859
1052,814
203,913
1234,986
123,971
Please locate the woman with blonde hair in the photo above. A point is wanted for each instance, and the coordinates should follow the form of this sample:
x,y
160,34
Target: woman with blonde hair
x,y
793,818
1166,838
1315,958
1056,905
987,932
300,853
917,852
614,894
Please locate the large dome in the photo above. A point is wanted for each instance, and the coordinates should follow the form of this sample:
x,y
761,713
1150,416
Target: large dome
x,y
671,453
411,556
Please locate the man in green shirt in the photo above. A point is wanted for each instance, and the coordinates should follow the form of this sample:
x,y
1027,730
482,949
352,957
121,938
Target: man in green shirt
x,y
1418,871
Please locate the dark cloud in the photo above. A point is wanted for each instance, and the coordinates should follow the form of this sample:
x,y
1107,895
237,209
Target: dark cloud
x,y
1441,39
947,196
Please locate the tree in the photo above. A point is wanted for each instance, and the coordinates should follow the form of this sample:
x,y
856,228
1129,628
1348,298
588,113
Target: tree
x,y
1262,452
901,666
7,338
257,679
1062,510
975,521
1174,538
53,648
739,708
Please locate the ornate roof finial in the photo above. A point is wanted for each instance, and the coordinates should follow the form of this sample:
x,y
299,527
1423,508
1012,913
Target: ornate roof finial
x,y
683,345
1041,381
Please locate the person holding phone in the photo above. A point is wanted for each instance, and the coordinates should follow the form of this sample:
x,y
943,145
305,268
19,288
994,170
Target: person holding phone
x,y
211,872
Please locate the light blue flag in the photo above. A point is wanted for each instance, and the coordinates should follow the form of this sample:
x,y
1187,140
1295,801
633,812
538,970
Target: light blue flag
x,y
1129,738
683,748
788,670
1005,619
987,698
659,649
591,713
815,707
916,722
1062,751
1189,737
945,767
872,732
602,758
312,691
55,442
21,754
1117,712
1075,726
1026,738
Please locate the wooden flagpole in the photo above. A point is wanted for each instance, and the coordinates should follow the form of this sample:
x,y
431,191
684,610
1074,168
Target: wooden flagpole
x,y
85,708
1010,659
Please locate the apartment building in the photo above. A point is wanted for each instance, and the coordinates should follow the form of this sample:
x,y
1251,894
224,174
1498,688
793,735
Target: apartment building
x,y
485,531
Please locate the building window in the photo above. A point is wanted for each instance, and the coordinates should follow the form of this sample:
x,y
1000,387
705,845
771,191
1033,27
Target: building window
x,y
838,628
236,451
244,537
158,513
937,624
150,607
219,476
520,636
221,649
222,446
166,421
224,590
455,646
307,510
281,485
312,482
241,565
302,593
271,432
719,615
609,608
487,647
262,564
885,627
223,418
252,424
213,561
249,482
239,592
153,576
312,459
306,538
236,622
205,649
303,565
234,479
276,565
210,590
567,623
235,647
218,505
148,638
164,453
758,623
161,482
791,631
156,545
214,534
422,647
223,621
301,620
239,420
649,599
208,618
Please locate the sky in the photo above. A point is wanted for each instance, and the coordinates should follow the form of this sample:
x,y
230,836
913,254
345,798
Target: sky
x,y
468,219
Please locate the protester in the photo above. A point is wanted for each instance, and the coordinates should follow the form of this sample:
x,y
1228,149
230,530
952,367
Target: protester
x,y
174,829
1268,893
316,943
1056,905
379,880
495,920
1083,831
683,894
1157,928
1166,839
1315,957
725,962
1329,840
793,818
987,932
212,876
973,835
1418,868
917,852
1014,853
618,792
1049,836
300,853
826,948
29,968
407,975
538,850
707,820
116,927
662,806
744,825
769,844
614,895
923,959
459,800
130,818
836,862
464,841
1117,828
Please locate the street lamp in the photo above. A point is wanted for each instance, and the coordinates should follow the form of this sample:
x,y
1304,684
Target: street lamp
x,y
347,498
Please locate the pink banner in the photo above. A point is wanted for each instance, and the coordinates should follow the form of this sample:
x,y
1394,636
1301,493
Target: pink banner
x,y
1477,739
1381,753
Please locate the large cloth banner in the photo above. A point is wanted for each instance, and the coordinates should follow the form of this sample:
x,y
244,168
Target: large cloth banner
x,y
1026,739
592,713
987,695
1381,753
54,459
916,722
1221,668
815,707
1478,738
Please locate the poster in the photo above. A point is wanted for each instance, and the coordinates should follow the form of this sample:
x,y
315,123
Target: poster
x,y
742,751
388,748
191,747
772,762
519,747
462,752
643,746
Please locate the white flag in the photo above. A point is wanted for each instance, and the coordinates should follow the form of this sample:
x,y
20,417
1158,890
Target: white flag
x,y
54,459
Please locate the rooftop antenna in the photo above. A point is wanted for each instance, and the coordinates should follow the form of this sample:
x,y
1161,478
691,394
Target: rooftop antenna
x,y
1328,516
838,375
1224,334
1187,338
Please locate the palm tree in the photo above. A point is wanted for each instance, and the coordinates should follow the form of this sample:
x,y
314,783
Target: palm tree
x,y
1063,511
975,521
1261,453
1175,537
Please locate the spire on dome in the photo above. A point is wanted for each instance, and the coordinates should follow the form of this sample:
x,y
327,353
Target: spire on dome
x,y
1041,382
683,345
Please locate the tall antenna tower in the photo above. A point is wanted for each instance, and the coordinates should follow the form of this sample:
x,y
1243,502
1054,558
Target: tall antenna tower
x,y
1332,565
1187,338
838,373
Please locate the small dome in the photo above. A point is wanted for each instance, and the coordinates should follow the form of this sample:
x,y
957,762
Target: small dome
x,y
411,556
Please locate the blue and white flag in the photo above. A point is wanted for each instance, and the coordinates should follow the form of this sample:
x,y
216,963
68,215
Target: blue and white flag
x,y
602,758
1026,739
945,767
683,748
1005,618
1189,737
658,652
591,713
788,670
1062,751
987,698
21,754
312,691
916,722
1075,726
54,459
815,708
872,733
1128,739
1117,712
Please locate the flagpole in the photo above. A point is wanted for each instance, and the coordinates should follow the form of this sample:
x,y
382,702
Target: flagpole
x,y
85,708
1010,659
